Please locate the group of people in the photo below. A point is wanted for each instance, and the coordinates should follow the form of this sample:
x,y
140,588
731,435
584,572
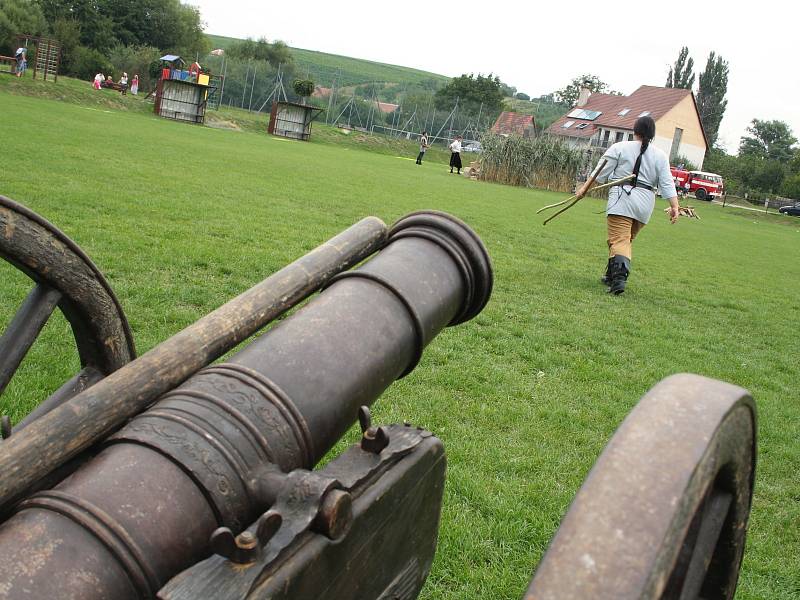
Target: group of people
x,y
101,81
455,151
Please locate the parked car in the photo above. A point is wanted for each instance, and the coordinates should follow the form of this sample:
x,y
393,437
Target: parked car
x,y
790,210
473,147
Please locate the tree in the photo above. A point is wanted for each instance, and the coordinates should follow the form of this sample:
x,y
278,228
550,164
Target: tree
x,y
770,140
104,24
681,75
68,33
303,87
508,90
276,53
711,100
569,94
19,16
472,93
522,96
791,187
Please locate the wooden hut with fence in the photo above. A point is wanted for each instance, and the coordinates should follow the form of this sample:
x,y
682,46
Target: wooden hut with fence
x,y
292,120
182,94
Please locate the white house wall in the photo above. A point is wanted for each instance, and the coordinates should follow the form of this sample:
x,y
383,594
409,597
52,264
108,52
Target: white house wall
x,y
694,154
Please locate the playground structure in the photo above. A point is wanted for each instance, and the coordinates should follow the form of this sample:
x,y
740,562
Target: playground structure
x,y
292,120
43,56
181,94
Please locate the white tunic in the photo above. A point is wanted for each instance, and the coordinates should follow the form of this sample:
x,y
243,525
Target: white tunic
x,y
637,203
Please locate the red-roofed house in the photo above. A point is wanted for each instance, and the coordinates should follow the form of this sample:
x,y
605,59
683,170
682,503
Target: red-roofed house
x,y
599,120
386,107
514,123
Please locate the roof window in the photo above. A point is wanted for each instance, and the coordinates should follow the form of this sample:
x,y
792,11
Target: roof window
x,y
645,113
581,126
582,113
623,112
568,124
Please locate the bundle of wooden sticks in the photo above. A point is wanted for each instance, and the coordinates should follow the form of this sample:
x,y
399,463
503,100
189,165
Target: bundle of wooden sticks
x,y
685,211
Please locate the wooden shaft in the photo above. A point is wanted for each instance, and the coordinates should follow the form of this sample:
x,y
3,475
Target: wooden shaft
x,y
597,187
67,430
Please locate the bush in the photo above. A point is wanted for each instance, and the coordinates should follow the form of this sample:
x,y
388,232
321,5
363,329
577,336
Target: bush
x,y
136,60
522,96
682,160
791,187
87,62
303,87
542,162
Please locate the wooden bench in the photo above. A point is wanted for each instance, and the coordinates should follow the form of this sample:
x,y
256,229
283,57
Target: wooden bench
x,y
11,62
118,87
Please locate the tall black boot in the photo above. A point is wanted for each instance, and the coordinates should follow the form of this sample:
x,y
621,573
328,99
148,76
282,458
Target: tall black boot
x,y
620,267
606,279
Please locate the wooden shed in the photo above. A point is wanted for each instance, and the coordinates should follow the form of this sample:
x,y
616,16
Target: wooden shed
x,y
292,120
182,94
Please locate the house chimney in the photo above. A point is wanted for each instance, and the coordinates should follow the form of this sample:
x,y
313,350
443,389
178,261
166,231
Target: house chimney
x,y
583,97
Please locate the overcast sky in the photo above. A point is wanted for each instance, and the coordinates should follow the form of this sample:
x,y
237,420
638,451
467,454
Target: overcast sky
x,y
540,47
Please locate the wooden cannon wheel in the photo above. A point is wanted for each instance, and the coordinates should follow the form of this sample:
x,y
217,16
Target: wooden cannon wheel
x,y
66,278
663,513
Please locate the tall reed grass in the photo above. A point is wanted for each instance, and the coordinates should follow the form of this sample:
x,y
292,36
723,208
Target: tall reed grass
x,y
543,162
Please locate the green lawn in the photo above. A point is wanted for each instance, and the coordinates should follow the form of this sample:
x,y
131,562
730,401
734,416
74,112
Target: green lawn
x,y
180,218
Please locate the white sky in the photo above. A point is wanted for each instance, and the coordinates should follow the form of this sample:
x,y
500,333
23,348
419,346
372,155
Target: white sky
x,y
540,47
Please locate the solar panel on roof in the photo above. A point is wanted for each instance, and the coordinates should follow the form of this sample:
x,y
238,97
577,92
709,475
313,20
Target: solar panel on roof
x,y
582,113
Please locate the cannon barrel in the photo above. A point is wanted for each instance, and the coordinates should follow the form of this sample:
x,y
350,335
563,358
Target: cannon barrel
x,y
214,452
60,432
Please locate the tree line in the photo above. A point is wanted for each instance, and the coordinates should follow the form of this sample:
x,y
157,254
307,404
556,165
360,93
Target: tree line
x,y
104,35
767,162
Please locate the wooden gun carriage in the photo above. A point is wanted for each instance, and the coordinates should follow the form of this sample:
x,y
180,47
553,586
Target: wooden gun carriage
x,y
174,476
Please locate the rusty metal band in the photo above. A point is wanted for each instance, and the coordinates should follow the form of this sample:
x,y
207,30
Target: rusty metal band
x,y
100,525
470,247
416,322
273,394
228,452
122,438
198,398
454,251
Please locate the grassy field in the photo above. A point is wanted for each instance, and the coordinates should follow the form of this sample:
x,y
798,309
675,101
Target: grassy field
x,y
324,67
181,218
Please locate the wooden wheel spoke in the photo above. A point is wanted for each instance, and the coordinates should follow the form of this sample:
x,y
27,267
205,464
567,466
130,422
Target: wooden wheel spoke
x,y
686,581
24,329
85,379
66,277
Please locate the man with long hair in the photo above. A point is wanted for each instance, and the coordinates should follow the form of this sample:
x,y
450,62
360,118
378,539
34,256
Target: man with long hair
x,y
631,204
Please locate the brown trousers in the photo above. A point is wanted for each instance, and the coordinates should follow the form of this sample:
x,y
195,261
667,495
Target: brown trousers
x,y
621,233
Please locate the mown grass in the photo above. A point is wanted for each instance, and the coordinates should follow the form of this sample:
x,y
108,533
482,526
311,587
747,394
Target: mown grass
x,y
81,93
180,218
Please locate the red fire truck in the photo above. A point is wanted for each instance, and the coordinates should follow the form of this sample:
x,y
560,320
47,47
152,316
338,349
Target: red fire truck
x,y
704,186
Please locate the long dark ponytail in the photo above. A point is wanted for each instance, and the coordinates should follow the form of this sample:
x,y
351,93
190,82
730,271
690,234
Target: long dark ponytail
x,y
645,128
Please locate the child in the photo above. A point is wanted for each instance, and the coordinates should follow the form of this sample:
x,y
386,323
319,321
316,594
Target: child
x,y
22,63
135,85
